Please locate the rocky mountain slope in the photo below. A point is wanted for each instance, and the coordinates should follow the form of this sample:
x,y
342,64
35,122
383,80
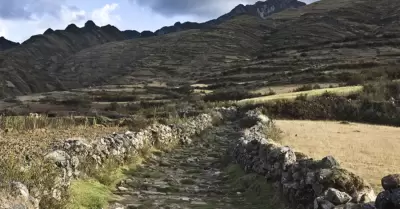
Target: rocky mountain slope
x,y
261,9
40,62
320,39
310,44
6,44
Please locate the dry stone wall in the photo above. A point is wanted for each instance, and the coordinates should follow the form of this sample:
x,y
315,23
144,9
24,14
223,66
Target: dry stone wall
x,y
303,182
73,156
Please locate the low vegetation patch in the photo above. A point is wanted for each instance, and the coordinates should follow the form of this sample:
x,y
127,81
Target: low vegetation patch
x,y
87,194
291,96
377,103
256,189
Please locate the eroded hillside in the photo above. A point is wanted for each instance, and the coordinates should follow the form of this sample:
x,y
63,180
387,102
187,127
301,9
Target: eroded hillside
x,y
316,43
50,61
311,44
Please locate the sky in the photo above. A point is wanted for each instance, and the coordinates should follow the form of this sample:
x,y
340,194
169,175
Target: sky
x,y
20,19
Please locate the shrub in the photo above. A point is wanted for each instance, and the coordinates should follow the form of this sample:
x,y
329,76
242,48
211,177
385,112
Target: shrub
x,y
270,93
113,107
236,93
370,106
307,87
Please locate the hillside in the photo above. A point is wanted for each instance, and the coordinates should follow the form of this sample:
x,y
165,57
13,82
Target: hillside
x,y
328,41
48,62
181,56
322,41
6,44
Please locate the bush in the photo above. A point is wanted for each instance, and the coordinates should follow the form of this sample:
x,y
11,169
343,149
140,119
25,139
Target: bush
x,y
370,106
270,93
114,106
237,93
307,87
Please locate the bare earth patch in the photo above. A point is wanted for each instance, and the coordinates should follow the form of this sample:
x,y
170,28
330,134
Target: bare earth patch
x,y
370,151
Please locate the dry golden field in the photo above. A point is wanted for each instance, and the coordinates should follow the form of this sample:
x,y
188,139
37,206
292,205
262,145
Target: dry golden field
x,y
370,151
292,95
37,142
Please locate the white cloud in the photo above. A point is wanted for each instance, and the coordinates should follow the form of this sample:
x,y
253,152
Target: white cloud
x,y
105,15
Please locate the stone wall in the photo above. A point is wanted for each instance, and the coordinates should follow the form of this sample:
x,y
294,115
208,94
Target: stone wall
x,y
302,181
73,156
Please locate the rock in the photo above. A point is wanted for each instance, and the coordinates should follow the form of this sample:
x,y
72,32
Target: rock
x,y
59,157
321,203
133,206
395,198
337,197
383,200
391,182
122,189
328,162
363,206
198,203
186,140
347,206
310,178
19,190
184,198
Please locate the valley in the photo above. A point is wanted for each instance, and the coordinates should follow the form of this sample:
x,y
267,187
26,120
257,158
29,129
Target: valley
x,y
275,104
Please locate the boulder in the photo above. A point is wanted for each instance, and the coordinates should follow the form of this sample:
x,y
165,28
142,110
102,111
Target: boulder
x,y
321,203
383,200
60,157
185,140
18,189
337,197
395,198
391,182
328,162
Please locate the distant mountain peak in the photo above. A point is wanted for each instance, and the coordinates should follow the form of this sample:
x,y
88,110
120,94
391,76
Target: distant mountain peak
x,y
7,44
263,9
48,31
90,24
72,28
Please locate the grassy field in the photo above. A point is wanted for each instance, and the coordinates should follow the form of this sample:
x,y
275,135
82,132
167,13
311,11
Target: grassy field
x,y
370,151
292,95
287,88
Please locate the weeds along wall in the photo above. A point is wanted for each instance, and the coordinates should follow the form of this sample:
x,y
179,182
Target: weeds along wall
x,y
76,157
302,181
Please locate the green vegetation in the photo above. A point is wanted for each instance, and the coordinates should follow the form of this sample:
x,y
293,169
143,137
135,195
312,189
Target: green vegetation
x,y
376,104
290,96
307,87
256,189
88,194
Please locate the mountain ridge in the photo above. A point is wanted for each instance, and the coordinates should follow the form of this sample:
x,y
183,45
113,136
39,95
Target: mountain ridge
x,y
260,8
7,44
34,65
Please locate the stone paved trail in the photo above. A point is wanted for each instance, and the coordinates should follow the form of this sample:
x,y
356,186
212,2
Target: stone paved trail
x,y
187,177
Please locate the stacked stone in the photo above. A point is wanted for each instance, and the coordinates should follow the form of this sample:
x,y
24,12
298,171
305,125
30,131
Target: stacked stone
x,y
304,182
70,154
390,198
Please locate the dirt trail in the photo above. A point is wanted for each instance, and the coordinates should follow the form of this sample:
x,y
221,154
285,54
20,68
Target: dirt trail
x,y
193,176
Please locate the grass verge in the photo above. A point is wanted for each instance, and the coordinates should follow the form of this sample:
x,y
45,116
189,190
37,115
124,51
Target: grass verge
x,y
97,190
258,192
88,194
292,95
